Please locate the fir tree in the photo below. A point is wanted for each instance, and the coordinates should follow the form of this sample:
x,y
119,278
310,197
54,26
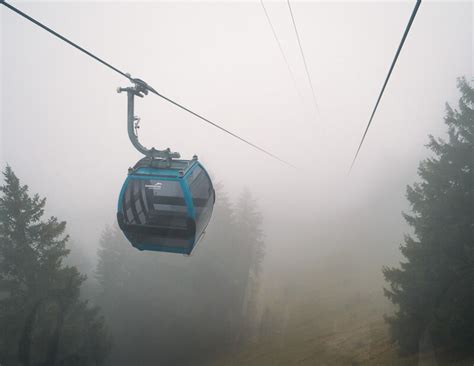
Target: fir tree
x,y
169,309
434,288
42,319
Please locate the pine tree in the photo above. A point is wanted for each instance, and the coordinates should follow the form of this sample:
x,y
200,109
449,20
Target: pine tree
x,y
158,305
434,288
170,309
42,319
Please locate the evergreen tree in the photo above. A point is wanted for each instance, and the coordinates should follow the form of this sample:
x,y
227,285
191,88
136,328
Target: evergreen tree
x,y
434,288
42,319
170,309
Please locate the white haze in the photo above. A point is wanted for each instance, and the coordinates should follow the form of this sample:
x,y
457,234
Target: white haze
x,y
63,126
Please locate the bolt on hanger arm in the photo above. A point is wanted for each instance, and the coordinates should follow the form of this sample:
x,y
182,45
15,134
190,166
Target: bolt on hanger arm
x,y
140,89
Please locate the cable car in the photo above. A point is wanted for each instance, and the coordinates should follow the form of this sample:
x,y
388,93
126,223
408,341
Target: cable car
x,y
166,206
165,203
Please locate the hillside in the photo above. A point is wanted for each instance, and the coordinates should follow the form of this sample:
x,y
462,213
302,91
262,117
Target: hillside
x,y
344,327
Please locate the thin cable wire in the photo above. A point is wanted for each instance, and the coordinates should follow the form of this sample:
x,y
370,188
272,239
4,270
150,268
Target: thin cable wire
x,y
407,29
64,39
223,129
11,7
281,50
304,58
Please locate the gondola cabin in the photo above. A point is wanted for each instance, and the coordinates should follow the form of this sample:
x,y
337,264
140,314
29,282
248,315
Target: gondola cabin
x,y
165,205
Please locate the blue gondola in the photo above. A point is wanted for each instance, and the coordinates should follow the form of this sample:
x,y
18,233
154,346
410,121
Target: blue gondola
x,y
166,206
165,203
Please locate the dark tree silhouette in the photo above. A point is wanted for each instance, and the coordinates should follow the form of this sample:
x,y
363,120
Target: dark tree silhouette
x,y
42,319
169,309
434,288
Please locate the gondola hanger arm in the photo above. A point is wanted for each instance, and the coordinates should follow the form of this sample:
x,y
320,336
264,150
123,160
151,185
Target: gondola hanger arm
x,y
140,89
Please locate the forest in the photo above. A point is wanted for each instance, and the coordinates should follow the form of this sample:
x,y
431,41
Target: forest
x,y
146,308
236,183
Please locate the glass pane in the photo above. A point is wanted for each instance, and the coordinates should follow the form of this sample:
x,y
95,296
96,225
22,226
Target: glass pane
x,y
153,202
201,190
202,194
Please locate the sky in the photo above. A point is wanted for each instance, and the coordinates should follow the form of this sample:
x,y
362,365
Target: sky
x,y
63,126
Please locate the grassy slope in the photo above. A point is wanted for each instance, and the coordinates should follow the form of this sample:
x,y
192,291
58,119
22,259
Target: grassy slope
x,y
329,323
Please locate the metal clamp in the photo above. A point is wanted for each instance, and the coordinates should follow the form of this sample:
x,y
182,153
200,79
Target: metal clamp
x,y
140,89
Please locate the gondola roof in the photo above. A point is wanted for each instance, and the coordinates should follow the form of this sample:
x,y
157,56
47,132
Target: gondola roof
x,y
167,168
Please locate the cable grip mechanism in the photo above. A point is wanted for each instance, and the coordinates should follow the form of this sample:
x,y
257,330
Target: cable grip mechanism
x,y
140,89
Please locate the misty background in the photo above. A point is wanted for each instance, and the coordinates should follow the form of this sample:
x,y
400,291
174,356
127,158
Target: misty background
x,y
63,126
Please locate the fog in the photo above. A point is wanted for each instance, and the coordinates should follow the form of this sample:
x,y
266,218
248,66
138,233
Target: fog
x,y
63,126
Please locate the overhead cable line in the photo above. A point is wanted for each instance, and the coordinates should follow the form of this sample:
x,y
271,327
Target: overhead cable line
x,y
304,58
405,34
63,38
281,48
26,16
